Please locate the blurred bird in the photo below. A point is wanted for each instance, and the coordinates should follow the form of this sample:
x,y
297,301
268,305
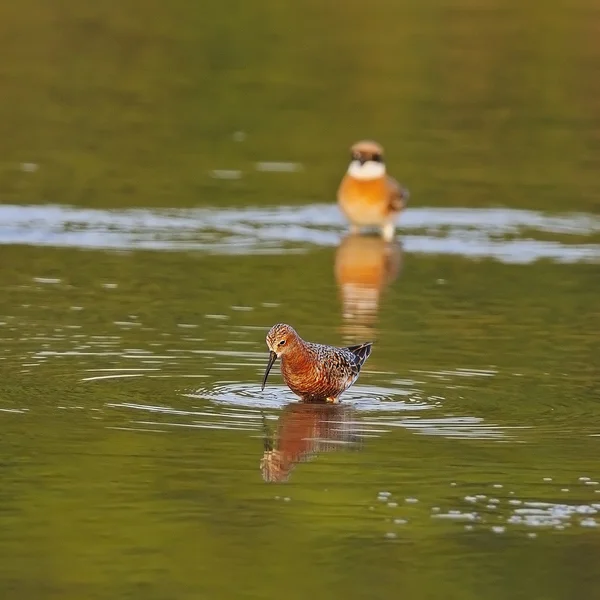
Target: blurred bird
x,y
367,195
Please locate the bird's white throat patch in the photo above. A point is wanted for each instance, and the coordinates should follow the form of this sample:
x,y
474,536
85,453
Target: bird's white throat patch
x,y
370,170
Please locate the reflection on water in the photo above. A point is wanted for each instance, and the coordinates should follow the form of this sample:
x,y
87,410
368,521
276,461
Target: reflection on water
x,y
364,266
303,431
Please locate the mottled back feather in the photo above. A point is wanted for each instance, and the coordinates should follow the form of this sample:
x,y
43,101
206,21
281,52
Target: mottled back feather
x,y
361,351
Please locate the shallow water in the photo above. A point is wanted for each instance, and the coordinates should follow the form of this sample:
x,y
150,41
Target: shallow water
x,y
167,186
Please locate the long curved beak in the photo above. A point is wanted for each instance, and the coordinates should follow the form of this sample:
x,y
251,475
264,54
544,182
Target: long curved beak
x,y
272,359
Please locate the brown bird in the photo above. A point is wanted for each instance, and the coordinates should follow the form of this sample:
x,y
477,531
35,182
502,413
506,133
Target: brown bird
x,y
367,195
314,372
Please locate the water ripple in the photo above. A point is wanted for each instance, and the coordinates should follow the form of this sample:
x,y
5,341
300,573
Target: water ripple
x,y
360,397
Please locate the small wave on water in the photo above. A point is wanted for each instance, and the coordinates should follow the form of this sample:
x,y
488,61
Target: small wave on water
x,y
377,410
360,397
503,234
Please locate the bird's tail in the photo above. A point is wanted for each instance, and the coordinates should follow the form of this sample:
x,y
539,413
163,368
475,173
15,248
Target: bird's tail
x,y
362,351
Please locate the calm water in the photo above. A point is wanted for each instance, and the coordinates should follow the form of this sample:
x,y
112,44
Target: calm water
x,y
167,175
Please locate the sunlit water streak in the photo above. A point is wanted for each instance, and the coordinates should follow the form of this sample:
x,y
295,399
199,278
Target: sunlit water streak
x,y
474,233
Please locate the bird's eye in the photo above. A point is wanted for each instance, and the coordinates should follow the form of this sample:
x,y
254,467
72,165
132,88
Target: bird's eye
x,y
281,343
376,157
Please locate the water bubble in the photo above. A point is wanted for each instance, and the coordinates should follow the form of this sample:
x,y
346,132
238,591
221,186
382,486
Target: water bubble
x,y
498,529
411,500
400,521
392,504
390,535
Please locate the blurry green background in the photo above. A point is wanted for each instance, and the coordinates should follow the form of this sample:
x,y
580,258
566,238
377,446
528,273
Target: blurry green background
x,y
133,103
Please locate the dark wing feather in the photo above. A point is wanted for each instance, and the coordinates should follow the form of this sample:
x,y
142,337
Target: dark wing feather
x,y
399,195
362,352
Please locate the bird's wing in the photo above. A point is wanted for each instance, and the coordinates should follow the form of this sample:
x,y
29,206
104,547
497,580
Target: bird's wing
x,y
361,352
399,195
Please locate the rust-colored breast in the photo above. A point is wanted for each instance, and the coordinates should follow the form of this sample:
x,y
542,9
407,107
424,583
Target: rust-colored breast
x,y
316,372
303,376
294,368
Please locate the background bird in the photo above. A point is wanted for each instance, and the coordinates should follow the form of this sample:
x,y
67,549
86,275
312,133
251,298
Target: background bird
x,y
367,195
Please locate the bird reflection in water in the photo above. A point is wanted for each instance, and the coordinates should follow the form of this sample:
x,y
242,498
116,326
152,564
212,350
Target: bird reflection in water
x,y
364,266
303,430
